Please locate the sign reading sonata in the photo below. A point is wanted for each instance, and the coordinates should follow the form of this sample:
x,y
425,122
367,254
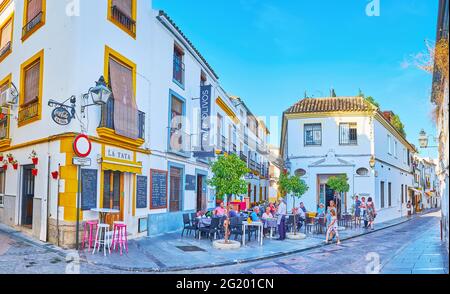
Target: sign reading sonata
x,y
118,153
82,146
61,116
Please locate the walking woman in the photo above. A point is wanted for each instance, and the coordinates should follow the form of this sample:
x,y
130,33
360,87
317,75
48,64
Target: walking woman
x,y
371,213
332,229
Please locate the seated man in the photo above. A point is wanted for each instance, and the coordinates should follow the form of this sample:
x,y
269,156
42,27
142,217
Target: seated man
x,y
254,215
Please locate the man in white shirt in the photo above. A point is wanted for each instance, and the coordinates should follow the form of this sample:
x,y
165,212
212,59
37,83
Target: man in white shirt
x,y
281,212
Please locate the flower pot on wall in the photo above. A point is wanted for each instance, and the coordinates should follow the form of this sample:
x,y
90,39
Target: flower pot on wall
x,y
55,175
35,160
34,171
5,167
10,159
15,166
1,157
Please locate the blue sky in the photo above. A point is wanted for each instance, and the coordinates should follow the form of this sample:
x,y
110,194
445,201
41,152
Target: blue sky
x,y
270,52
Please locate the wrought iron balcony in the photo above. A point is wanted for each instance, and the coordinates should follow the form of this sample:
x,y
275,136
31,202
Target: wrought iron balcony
x,y
107,120
5,50
32,24
243,157
124,20
28,112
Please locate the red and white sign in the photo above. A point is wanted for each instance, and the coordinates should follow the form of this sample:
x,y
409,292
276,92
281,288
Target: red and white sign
x,y
82,146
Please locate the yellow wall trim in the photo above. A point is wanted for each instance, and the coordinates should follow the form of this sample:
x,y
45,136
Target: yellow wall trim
x,y
110,135
5,143
4,4
73,135
227,110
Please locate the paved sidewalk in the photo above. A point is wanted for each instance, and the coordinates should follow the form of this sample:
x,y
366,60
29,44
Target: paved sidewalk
x,y
163,253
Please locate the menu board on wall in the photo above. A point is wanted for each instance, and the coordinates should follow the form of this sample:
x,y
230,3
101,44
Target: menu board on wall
x,y
88,189
158,189
190,183
141,192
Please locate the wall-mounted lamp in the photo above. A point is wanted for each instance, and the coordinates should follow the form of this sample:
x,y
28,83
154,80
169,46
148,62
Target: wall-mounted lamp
x,y
98,94
372,162
423,139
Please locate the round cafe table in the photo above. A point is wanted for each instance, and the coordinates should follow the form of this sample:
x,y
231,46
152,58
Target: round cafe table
x,y
103,212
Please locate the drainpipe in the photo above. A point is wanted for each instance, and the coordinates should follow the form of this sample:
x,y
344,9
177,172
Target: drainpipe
x,y
57,207
48,196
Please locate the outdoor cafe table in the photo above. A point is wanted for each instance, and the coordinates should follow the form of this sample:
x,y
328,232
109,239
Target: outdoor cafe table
x,y
271,223
103,212
258,224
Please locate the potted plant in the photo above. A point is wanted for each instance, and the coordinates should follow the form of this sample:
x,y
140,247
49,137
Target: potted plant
x,y
15,164
228,180
34,172
5,165
297,188
55,175
10,157
1,157
34,157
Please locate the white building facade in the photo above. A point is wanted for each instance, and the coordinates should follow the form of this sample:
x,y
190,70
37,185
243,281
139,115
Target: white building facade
x,y
325,137
143,138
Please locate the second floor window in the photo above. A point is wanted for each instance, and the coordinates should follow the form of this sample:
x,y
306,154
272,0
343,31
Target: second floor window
x,y
348,134
203,79
122,13
313,134
33,18
5,39
389,144
178,141
3,112
178,66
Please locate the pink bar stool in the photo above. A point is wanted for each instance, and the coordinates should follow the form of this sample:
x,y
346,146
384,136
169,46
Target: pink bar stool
x,y
120,236
89,227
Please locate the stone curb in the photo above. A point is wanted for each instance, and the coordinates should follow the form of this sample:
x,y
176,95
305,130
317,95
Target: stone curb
x,y
63,253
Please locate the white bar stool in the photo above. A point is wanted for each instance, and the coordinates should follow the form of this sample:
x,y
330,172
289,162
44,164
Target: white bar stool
x,y
103,239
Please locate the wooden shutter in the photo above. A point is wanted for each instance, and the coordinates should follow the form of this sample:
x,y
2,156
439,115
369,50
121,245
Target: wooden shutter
x,y
125,109
33,9
32,83
5,35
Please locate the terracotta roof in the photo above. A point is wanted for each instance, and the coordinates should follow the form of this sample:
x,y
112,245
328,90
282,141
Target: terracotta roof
x,y
162,13
331,104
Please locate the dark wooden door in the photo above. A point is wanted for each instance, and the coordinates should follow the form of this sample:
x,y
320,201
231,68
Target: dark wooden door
x,y
27,195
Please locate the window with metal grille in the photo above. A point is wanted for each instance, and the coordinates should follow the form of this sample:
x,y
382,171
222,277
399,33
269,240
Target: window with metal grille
x,y
348,134
313,134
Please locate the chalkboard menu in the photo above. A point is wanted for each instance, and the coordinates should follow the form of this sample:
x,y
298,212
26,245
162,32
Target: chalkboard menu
x,y
190,183
158,189
88,189
141,192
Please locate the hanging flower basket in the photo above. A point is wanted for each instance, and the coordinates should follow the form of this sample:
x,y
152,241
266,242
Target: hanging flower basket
x,y
10,157
34,157
15,164
5,167
34,172
2,157
55,175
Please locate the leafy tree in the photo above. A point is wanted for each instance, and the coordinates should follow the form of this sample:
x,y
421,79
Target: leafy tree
x,y
339,184
397,123
228,179
292,185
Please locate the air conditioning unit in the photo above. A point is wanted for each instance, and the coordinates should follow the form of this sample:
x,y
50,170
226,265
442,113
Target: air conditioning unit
x,y
9,96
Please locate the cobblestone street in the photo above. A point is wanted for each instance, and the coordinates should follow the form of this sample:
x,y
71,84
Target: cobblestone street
x,y
411,247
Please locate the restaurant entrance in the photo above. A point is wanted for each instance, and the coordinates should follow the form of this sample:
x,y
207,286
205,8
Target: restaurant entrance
x,y
113,193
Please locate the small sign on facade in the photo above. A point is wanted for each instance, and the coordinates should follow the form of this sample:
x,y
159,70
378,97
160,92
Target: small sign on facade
x,y
81,161
61,116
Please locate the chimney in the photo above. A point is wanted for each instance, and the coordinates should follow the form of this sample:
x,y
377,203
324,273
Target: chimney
x,y
388,115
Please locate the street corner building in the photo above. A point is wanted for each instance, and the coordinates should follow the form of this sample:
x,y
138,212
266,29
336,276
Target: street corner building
x,y
332,136
165,118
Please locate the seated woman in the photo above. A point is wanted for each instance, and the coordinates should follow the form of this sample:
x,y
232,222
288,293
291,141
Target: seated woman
x,y
220,210
272,207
